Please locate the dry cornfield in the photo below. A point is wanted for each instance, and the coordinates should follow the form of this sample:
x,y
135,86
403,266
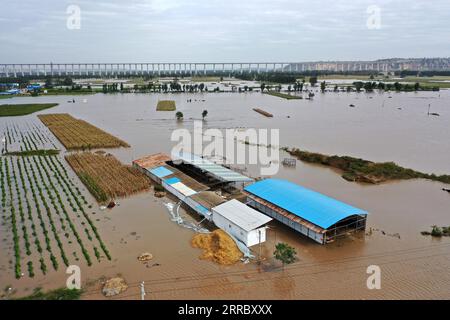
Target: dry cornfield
x,y
77,134
106,177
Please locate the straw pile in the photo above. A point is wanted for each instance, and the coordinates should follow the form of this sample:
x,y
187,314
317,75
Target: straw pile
x,y
217,246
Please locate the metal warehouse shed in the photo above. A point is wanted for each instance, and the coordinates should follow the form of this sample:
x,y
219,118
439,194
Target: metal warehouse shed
x,y
208,167
313,214
241,221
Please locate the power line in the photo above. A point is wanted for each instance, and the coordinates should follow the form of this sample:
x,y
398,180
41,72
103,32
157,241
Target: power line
x,y
292,267
273,278
297,267
288,276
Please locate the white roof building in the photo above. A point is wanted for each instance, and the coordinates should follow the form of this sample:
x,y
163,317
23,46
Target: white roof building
x,y
241,221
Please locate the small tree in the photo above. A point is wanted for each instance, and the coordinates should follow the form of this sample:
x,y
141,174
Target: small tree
x,y
436,231
179,115
313,80
263,86
204,114
285,253
323,86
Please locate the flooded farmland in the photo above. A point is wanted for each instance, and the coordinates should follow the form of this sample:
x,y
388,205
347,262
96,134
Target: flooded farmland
x,y
381,127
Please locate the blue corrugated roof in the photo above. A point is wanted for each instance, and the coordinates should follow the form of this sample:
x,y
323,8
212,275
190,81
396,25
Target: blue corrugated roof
x,y
202,209
161,172
309,205
172,180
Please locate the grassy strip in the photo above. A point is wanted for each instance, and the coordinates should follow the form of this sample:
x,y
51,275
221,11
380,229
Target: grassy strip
x,y
283,95
12,110
29,153
361,170
67,189
64,211
58,294
48,211
68,92
42,223
62,180
21,211
2,186
17,266
166,105
29,211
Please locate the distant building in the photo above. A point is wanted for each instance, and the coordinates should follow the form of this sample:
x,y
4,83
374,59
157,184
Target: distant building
x,y
33,87
10,92
310,213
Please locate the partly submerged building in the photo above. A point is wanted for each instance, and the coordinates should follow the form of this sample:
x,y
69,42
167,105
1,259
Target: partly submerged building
x,y
313,214
241,221
215,173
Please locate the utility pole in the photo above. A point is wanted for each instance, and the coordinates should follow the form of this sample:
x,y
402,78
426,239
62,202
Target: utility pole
x,y
142,290
260,248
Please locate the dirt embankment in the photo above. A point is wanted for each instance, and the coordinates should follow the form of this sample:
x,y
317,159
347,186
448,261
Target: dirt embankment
x,y
217,246
360,170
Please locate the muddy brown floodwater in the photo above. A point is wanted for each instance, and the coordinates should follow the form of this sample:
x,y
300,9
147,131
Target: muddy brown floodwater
x,y
378,128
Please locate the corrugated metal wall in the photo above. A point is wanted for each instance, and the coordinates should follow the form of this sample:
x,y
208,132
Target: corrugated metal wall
x,y
318,237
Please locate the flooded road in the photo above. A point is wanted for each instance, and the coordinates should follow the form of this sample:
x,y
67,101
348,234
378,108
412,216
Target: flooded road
x,y
378,128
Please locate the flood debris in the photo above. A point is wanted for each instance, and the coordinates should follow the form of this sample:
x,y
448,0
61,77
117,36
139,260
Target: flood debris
x,y
445,189
144,257
218,247
384,233
111,204
147,265
160,192
264,113
289,162
114,286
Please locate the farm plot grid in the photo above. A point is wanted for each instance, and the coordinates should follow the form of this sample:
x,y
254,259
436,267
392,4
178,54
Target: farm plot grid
x,y
45,221
77,134
106,177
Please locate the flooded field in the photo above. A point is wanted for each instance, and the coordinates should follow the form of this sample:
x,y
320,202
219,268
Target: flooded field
x,y
381,127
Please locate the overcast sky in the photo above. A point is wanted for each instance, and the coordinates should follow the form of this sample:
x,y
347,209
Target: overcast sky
x,y
222,30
